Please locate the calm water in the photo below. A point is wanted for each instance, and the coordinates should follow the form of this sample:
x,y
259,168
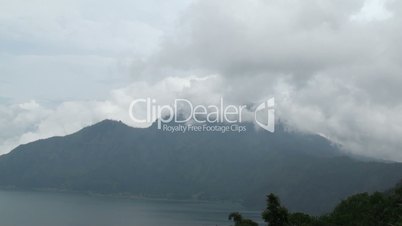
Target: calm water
x,y
59,209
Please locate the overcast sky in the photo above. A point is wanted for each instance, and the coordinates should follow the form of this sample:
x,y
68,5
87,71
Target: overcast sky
x,y
334,67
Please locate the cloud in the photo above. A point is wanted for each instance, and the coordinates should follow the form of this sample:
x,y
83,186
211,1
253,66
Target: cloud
x,y
333,66
372,10
76,49
30,121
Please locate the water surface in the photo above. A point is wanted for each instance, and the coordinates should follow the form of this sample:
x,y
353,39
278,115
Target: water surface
x,y
62,209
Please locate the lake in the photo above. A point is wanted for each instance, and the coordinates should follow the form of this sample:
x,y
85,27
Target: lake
x,y
19,208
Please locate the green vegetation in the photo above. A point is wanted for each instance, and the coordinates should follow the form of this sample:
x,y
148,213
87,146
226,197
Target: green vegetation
x,y
275,214
377,209
239,221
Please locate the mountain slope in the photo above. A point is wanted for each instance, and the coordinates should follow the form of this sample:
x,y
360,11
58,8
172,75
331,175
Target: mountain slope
x,y
110,157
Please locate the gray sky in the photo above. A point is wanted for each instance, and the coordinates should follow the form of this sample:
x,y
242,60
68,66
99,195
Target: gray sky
x,y
333,66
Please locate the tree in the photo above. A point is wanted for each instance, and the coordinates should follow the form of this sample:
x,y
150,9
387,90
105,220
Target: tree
x,y
364,209
368,210
236,217
301,219
239,221
275,214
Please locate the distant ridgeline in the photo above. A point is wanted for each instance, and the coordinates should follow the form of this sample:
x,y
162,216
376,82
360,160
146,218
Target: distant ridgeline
x,y
306,171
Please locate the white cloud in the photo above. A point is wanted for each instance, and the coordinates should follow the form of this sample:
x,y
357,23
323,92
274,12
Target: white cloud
x,y
372,10
333,66
82,44
30,121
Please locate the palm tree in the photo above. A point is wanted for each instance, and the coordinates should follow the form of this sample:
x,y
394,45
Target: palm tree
x,y
275,214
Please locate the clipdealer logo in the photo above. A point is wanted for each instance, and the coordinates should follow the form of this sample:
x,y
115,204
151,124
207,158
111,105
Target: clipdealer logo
x,y
198,118
267,106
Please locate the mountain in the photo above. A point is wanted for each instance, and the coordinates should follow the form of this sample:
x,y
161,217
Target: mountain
x,y
307,171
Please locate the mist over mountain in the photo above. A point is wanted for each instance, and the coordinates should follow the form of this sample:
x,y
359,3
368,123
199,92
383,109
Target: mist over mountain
x,y
306,171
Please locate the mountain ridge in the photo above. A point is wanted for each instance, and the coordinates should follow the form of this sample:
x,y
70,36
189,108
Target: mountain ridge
x,y
111,157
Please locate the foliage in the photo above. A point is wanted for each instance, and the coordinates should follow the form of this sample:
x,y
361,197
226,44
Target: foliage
x,y
364,209
301,219
275,214
239,221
